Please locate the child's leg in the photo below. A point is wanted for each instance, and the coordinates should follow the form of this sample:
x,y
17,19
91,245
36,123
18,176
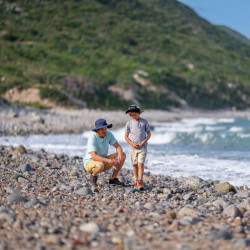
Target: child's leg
x,y
140,170
133,161
141,160
136,170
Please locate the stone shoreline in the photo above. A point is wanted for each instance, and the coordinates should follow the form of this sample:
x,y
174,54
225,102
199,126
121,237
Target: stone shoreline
x,y
47,202
16,120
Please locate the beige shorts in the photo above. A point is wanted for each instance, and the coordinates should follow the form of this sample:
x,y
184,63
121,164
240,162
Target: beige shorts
x,y
137,155
91,164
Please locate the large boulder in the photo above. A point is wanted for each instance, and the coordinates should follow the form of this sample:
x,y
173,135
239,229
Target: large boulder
x,y
225,187
193,182
187,211
232,211
21,149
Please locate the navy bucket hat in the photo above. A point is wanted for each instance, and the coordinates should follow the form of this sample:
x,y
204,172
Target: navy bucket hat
x,y
134,108
101,123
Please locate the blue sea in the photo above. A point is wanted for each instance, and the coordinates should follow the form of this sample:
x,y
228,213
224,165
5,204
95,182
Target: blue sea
x,y
210,148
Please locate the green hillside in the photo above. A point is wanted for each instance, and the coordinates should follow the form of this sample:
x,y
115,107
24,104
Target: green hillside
x,y
109,53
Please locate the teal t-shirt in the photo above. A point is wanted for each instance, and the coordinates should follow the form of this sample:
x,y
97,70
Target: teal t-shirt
x,y
100,145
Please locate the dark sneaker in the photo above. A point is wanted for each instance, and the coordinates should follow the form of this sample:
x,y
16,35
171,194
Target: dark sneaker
x,y
93,180
115,181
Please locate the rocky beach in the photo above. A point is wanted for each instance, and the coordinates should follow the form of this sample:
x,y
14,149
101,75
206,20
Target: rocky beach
x,y
47,202
17,120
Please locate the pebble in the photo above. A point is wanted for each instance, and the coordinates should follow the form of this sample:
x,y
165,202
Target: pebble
x,y
186,211
25,167
221,234
232,211
91,227
15,198
84,191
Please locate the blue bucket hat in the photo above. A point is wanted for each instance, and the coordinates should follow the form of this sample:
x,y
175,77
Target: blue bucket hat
x,y
101,123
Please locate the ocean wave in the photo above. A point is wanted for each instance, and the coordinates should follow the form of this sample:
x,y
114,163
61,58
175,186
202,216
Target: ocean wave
x,y
236,129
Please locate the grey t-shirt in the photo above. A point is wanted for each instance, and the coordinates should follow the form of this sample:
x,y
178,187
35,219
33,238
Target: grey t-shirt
x,y
137,130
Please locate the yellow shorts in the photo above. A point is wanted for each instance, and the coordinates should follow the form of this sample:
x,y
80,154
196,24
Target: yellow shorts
x,y
91,164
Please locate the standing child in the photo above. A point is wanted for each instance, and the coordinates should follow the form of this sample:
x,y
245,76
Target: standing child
x,y
137,134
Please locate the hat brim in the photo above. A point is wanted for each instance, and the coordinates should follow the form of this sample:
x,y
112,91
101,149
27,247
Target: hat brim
x,y
108,126
134,110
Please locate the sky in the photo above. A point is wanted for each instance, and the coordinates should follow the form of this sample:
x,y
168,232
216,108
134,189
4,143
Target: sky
x,y
234,14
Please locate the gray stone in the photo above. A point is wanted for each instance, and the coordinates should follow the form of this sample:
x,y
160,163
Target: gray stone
x,y
242,243
74,173
75,183
221,234
46,164
232,211
149,206
21,149
25,167
34,158
78,167
53,239
166,191
35,202
9,218
102,181
245,204
220,202
205,184
192,181
164,196
84,191
131,190
187,197
225,187
188,220
221,227
10,190
187,211
20,178
154,214
15,198
242,194
91,227
3,246
128,190
52,156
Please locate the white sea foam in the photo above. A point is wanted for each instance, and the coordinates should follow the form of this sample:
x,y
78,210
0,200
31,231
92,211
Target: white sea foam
x,y
235,129
244,135
205,168
214,128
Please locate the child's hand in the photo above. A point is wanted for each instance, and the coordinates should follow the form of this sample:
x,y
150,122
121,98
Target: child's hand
x,y
135,145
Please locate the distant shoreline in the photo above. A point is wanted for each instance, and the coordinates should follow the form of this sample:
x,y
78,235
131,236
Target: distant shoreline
x,y
16,120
